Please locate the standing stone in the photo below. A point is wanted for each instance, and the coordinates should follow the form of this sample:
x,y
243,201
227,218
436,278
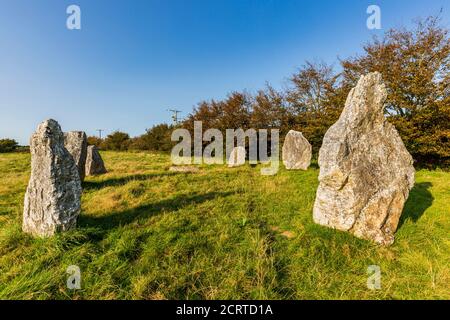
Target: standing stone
x,y
237,157
53,197
297,151
76,143
94,162
366,172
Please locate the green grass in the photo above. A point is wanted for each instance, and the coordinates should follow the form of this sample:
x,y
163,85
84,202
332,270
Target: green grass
x,y
147,233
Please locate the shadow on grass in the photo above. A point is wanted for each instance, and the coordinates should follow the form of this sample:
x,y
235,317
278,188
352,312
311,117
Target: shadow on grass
x,y
121,218
419,200
114,182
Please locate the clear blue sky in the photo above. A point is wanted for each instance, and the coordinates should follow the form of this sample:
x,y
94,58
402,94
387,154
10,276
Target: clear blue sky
x,y
134,59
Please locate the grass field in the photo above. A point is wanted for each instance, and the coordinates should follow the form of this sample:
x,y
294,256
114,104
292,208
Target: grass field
x,y
148,233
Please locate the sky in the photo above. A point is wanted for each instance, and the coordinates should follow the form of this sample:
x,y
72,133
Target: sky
x,y
133,60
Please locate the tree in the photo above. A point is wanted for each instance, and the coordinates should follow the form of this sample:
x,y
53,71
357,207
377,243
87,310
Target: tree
x,y
269,110
8,145
94,141
415,67
208,112
315,100
116,141
155,139
235,111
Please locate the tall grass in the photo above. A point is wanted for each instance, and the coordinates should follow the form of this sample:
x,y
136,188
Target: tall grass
x,y
148,233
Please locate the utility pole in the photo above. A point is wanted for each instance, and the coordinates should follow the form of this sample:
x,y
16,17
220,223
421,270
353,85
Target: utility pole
x,y
174,115
100,132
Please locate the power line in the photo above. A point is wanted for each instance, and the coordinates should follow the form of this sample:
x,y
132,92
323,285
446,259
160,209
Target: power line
x,y
174,115
100,132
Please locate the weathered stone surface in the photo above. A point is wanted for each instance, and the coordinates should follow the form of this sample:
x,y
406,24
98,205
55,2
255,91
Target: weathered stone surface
x,y
297,151
53,197
94,162
76,143
237,157
366,172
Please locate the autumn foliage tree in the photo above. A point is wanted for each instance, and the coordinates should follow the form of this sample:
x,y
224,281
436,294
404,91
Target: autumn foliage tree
x,y
269,110
415,67
315,100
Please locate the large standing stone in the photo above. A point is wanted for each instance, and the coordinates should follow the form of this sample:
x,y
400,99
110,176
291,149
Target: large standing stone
x,y
94,162
366,172
297,151
76,143
237,157
53,197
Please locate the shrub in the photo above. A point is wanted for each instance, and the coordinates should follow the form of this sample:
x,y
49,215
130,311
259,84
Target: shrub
x,y
155,139
8,145
117,141
94,141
